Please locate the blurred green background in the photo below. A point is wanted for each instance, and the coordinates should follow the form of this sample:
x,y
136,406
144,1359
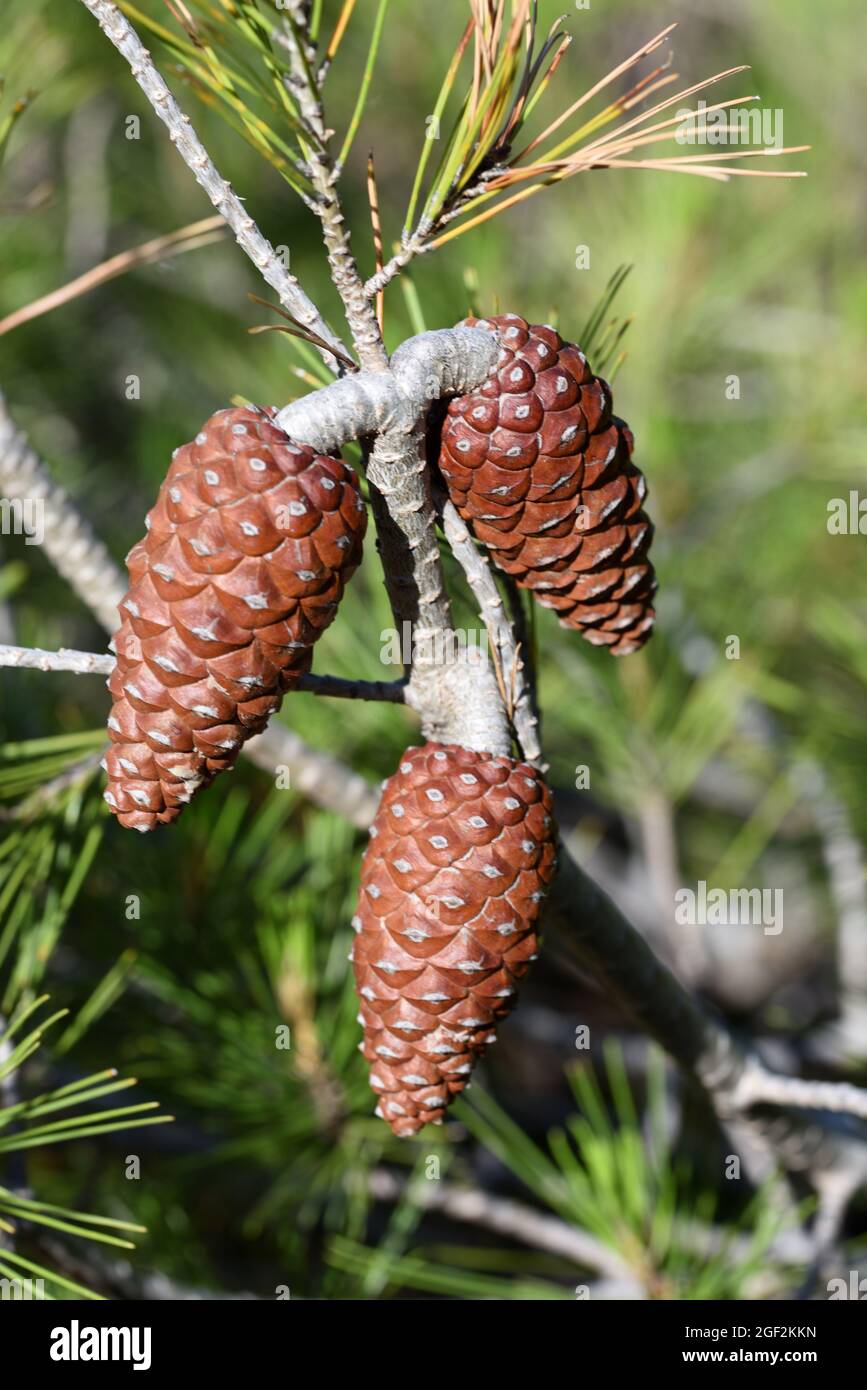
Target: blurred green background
x,y
739,772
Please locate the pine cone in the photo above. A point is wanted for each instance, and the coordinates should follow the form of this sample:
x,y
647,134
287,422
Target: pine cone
x,y
463,849
541,471
248,548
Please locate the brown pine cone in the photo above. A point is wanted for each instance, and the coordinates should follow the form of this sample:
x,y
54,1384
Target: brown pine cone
x,y
462,851
541,471
248,548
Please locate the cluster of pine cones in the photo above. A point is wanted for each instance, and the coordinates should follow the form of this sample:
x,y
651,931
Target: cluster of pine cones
x,y
246,554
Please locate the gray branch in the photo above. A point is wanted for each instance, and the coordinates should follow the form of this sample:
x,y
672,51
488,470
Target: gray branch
x,y
508,1218
389,407
516,690
447,361
96,663
227,203
35,659
67,539
757,1086
456,694
591,929
460,700
587,918
305,85
415,245
539,1231
86,565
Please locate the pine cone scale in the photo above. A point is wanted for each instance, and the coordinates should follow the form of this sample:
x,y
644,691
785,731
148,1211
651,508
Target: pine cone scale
x,y
539,467
461,853
248,549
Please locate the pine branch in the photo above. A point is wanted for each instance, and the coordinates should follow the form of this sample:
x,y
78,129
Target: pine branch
x,y
516,690
593,930
395,465
324,173
458,700
35,659
68,540
457,360
758,1086
539,1231
86,565
93,663
389,401
227,203
338,688
418,244
480,166
506,1218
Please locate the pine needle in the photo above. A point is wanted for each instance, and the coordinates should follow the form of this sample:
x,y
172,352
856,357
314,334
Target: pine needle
x,y
9,121
600,86
190,238
588,338
366,79
506,83
339,30
303,335
298,330
436,116
413,305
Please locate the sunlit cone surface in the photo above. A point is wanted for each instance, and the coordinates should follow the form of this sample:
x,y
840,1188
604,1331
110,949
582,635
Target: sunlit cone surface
x,y
248,548
542,472
462,852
